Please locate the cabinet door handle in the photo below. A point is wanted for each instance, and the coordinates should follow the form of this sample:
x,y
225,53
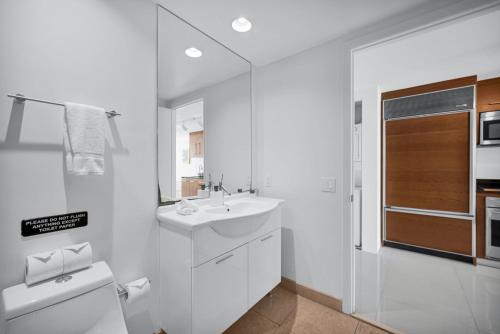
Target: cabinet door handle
x,y
493,103
224,259
461,105
268,237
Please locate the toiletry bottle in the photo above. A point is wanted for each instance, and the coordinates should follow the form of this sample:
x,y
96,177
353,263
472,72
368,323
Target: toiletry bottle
x,y
215,194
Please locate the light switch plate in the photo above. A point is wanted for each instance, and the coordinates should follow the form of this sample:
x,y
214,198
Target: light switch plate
x,y
328,184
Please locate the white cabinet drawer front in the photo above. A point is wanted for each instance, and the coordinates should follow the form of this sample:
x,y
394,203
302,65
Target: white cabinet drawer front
x,y
220,292
264,265
208,243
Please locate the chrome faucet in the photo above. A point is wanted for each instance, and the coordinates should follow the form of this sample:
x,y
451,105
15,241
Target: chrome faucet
x,y
223,189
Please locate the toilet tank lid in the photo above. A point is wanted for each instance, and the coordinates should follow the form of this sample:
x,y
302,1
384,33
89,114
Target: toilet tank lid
x,y
21,299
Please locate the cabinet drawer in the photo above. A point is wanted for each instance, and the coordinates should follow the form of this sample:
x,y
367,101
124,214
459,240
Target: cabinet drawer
x,y
264,262
220,291
440,233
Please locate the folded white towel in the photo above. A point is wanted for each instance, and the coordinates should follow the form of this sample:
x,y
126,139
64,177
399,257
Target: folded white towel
x,y
76,257
42,266
84,136
185,208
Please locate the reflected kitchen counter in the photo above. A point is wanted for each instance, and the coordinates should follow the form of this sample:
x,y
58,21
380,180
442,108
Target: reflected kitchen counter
x,y
190,185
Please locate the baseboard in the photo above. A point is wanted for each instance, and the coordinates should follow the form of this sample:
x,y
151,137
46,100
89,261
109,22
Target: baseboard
x,y
427,251
376,324
488,262
306,292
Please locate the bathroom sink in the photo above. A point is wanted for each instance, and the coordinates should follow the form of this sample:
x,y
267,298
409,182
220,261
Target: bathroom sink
x,y
238,207
239,215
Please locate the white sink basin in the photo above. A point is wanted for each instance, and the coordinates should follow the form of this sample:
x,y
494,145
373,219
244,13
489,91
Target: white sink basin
x,y
239,207
229,219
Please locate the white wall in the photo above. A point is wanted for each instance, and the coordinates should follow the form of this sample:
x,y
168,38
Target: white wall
x,y
95,52
299,138
459,49
227,136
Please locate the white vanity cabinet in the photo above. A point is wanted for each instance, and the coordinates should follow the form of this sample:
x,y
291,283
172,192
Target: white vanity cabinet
x,y
211,276
264,256
220,291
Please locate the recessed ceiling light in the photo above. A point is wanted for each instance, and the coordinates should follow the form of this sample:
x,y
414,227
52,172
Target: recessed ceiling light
x,y
193,52
241,24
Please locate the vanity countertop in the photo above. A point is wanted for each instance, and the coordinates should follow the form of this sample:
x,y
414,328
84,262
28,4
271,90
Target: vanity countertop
x,y
237,206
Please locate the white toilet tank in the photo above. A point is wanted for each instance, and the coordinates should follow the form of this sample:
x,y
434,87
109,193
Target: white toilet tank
x,y
86,304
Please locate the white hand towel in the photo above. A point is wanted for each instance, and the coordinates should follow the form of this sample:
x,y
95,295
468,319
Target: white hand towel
x,y
42,266
76,257
185,208
84,136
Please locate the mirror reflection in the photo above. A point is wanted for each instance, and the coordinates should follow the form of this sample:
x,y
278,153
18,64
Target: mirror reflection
x,y
204,113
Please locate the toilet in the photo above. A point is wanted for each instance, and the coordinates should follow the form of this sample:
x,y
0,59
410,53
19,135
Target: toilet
x,y
84,302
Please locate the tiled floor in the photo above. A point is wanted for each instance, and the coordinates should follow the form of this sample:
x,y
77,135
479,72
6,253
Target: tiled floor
x,y
417,293
285,312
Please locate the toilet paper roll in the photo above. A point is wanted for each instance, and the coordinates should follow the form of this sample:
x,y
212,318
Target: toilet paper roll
x,y
138,296
77,257
42,266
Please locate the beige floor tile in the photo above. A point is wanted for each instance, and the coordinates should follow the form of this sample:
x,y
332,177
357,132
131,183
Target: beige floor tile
x,y
312,318
277,306
364,328
252,323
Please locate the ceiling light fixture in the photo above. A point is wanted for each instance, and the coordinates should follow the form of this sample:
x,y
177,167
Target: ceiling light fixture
x,y
193,52
241,24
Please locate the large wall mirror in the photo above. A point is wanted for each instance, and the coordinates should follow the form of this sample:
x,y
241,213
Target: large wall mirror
x,y
204,113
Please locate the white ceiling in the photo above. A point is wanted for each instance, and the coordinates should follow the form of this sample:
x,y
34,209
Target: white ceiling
x,y
285,27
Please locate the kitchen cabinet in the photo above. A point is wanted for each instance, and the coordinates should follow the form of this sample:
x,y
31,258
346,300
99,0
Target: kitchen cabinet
x,y
487,99
488,95
196,146
190,186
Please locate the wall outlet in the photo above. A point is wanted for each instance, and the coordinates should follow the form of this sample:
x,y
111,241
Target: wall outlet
x,y
328,184
268,181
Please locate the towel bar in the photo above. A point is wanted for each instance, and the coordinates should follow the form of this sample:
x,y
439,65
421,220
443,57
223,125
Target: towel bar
x,y
21,98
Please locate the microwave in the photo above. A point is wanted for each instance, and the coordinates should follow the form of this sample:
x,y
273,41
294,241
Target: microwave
x,y
490,128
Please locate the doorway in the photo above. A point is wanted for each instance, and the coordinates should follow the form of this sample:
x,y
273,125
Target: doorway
x,y
408,291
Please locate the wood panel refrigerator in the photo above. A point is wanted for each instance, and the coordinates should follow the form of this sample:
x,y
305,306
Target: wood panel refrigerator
x,y
429,154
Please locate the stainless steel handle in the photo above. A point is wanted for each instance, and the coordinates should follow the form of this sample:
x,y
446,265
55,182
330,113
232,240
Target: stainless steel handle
x,y
461,105
493,103
224,259
268,237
